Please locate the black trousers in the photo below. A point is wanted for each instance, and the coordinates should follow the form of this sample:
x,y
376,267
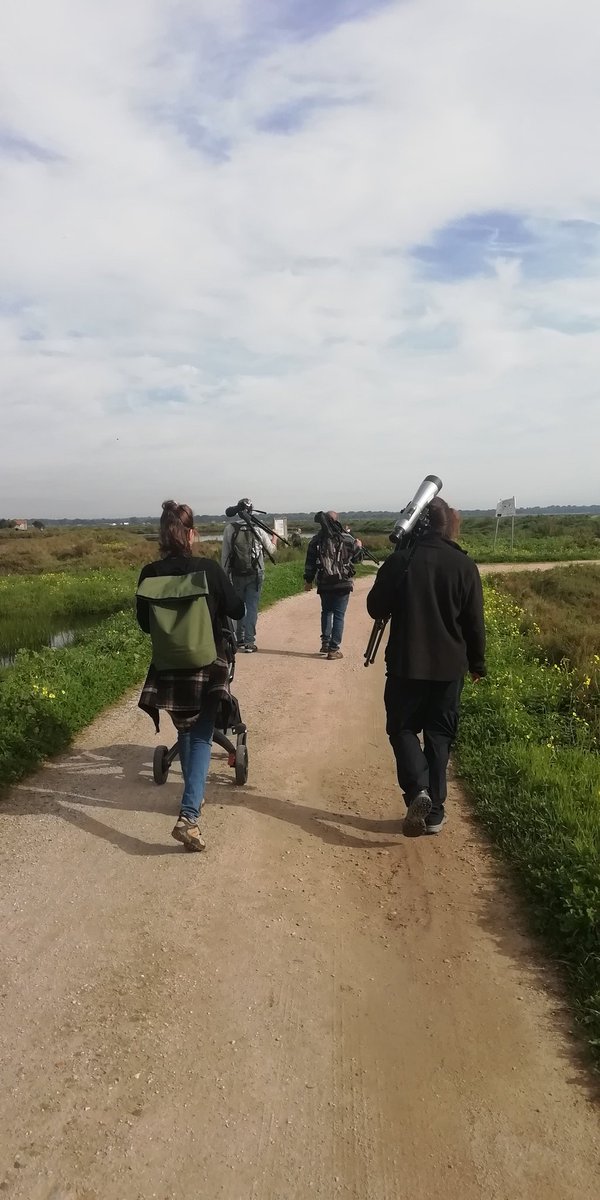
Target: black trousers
x,y
426,706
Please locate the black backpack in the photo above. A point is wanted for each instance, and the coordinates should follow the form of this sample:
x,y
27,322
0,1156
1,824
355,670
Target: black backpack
x,y
244,553
335,560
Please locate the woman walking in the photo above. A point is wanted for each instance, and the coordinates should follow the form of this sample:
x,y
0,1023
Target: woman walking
x,y
181,602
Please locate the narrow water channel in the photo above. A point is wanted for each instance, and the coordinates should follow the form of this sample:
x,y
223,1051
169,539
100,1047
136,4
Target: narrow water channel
x,y
38,635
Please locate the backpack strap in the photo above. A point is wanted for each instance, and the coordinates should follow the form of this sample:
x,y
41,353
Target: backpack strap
x,y
173,587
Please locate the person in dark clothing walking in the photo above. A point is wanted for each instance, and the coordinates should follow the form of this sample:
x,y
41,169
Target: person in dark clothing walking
x,y
437,635
243,559
330,558
190,696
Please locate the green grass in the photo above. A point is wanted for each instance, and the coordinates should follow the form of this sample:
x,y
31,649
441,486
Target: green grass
x,y
532,762
526,549
49,695
284,579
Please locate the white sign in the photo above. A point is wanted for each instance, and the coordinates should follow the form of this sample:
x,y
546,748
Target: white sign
x,y
506,508
280,526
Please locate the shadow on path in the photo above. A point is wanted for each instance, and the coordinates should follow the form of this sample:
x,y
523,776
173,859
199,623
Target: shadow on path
x,y
119,778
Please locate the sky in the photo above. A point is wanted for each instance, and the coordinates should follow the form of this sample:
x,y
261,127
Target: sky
x,y
301,251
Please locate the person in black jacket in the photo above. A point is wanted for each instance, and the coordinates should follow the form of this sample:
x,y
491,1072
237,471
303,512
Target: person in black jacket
x,y
330,558
437,635
191,697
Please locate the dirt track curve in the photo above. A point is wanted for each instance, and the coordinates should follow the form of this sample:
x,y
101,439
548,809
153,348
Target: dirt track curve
x,y
316,1007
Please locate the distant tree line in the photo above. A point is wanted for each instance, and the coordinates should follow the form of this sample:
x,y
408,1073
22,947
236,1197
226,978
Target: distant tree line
x,y
7,523
307,518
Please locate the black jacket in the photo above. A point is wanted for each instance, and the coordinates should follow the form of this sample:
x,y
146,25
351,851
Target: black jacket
x,y
312,565
222,600
437,629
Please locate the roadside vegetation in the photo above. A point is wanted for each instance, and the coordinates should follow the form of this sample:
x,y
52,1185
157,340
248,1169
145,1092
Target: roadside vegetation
x,y
561,610
56,548
529,749
537,539
73,549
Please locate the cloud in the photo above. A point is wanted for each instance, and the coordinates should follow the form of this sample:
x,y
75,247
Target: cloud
x,y
294,249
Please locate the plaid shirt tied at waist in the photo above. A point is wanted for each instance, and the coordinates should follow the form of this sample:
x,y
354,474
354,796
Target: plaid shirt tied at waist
x,y
185,694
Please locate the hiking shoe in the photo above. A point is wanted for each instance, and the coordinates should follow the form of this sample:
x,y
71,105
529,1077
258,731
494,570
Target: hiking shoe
x,y
435,822
415,819
334,654
324,648
188,833
250,649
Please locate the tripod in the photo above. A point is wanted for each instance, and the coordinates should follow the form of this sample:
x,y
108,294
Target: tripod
x,y
405,546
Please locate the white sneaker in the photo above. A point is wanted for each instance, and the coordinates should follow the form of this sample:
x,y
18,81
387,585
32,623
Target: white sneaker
x,y
435,824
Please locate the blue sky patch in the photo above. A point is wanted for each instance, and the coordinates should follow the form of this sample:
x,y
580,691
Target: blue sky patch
x,y
289,118
466,247
14,145
469,246
199,137
308,18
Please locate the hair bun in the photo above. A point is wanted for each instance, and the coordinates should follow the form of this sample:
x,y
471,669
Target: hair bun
x,y
170,506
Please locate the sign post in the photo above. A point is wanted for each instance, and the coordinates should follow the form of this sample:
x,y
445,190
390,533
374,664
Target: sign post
x,y
506,508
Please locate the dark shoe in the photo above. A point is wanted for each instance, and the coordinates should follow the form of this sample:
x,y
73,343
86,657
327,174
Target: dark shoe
x,y
240,646
435,822
334,654
250,649
324,648
188,833
416,816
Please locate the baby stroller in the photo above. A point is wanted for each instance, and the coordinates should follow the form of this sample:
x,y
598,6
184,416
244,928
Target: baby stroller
x,y
228,719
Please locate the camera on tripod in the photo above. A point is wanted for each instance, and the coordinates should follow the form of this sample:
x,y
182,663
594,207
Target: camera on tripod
x,y
409,528
245,509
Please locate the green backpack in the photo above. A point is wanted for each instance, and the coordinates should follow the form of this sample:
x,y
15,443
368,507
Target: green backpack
x,y
180,622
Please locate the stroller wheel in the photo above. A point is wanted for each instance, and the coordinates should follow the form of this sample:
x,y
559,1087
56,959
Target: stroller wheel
x,y
241,764
160,764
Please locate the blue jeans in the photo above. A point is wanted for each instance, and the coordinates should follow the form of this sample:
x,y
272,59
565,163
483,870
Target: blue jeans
x,y
248,588
333,611
194,755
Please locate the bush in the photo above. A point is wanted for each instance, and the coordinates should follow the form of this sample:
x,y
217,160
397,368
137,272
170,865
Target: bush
x,y
50,695
561,614
532,762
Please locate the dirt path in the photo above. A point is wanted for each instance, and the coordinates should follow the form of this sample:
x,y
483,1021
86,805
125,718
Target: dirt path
x,y
315,1007
503,568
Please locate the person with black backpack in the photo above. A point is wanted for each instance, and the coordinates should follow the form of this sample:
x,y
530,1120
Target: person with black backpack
x,y
183,602
330,558
243,560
